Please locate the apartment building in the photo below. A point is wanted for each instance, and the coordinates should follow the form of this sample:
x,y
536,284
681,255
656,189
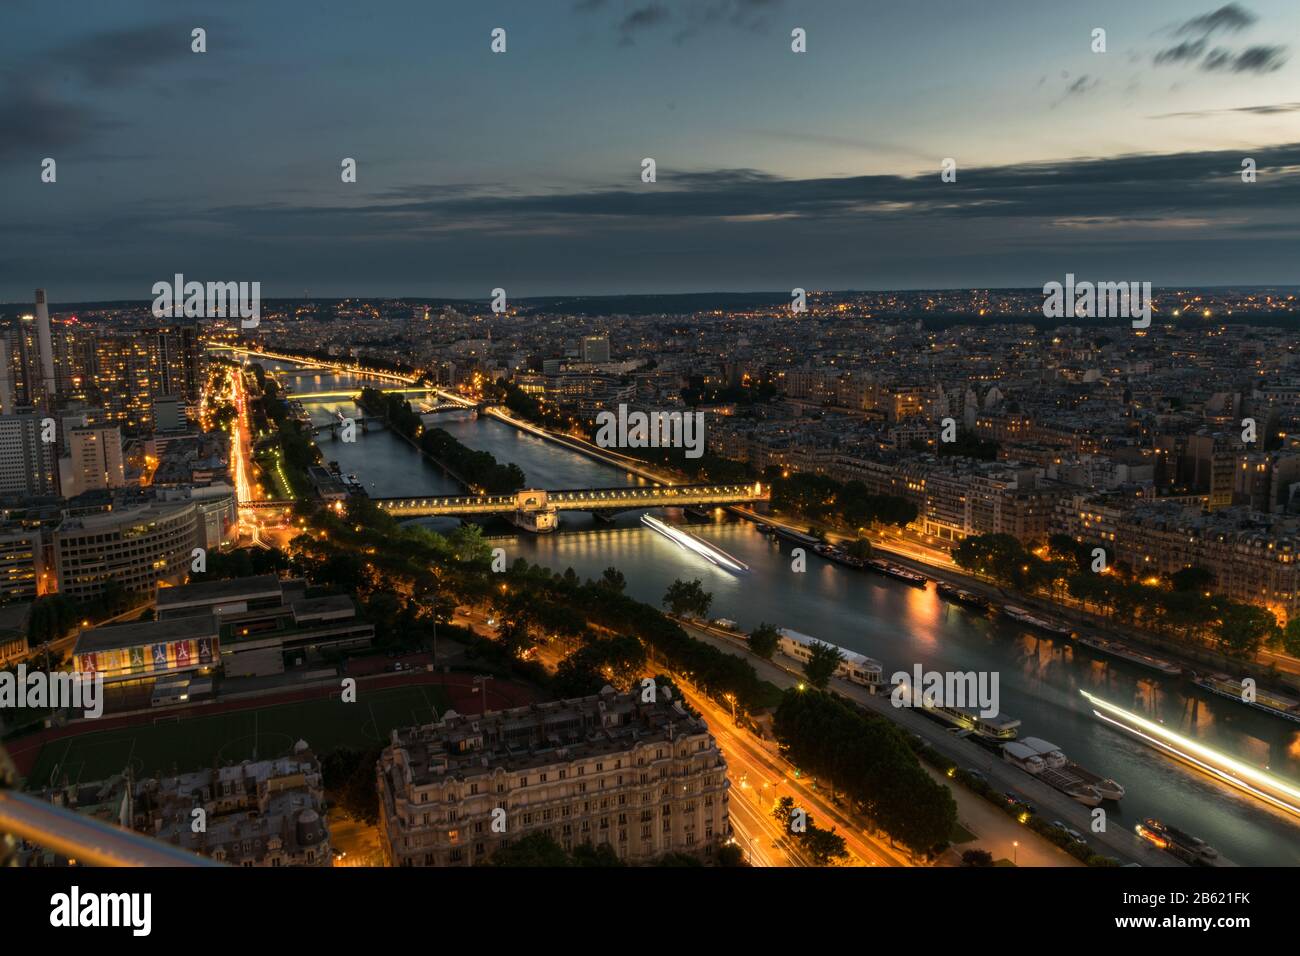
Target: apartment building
x,y
1255,559
264,813
645,778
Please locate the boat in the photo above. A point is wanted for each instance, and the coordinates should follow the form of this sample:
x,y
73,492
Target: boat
x,y
997,729
1049,625
1226,769
1080,792
1048,763
897,572
1109,788
1132,655
1179,843
1050,753
689,542
798,537
1267,701
959,596
853,667
839,556
1023,757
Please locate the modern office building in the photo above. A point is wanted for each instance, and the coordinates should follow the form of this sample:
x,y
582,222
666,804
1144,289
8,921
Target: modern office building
x,y
645,778
27,464
267,624
20,563
145,650
134,370
137,545
595,348
94,460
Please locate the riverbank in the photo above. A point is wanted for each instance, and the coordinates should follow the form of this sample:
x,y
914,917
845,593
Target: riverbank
x,y
1194,659
1117,841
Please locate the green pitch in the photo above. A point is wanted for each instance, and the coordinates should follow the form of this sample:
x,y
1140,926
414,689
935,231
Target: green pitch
x,y
191,743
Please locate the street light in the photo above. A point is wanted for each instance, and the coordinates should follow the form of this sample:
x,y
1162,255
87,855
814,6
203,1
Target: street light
x,y
482,680
1015,852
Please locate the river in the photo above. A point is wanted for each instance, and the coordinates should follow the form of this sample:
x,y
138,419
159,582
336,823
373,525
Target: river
x,y
1039,677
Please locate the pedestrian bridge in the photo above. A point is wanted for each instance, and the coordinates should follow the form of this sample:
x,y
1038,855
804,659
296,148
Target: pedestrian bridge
x,y
605,500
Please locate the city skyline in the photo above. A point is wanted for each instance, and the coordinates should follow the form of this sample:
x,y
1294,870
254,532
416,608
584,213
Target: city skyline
x,y
663,434
478,170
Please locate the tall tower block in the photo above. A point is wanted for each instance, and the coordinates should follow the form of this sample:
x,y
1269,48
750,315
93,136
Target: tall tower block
x,y
46,342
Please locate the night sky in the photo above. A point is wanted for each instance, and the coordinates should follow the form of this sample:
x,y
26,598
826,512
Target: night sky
x,y
523,169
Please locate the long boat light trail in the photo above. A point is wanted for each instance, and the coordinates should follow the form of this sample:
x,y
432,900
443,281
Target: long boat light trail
x,y
1273,790
692,543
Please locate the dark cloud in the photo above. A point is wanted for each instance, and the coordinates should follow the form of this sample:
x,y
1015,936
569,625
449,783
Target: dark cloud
x,y
1253,59
37,124
1265,109
115,58
1185,185
688,17
1228,19
1188,50
1232,18
1082,85
1181,218
643,17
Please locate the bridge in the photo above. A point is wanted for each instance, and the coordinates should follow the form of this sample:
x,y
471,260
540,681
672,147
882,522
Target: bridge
x,y
355,393
536,510
365,421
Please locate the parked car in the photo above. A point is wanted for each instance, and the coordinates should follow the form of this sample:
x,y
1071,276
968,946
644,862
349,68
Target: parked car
x,y
1074,835
1015,801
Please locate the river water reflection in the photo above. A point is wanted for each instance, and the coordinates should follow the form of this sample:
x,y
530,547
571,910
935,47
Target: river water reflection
x,y
1040,678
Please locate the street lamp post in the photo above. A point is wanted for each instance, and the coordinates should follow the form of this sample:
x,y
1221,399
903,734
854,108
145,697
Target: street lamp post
x,y
1015,852
482,680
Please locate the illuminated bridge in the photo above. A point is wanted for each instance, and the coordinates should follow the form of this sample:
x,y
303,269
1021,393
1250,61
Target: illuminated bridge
x,y
536,510
355,393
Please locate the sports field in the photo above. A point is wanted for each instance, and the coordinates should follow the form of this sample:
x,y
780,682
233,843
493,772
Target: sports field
x,y
178,745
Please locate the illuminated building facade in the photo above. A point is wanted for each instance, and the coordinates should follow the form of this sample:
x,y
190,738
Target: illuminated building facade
x,y
645,778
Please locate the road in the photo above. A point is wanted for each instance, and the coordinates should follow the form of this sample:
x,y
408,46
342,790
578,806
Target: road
x,y
760,778
1119,842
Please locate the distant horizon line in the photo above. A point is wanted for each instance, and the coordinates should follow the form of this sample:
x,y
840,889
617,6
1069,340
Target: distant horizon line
x,y
782,294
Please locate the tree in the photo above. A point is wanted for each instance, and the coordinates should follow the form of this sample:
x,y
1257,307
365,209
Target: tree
x,y
688,598
612,578
783,812
763,640
859,548
977,858
600,854
349,778
536,849
1193,579
869,760
1290,637
730,854
822,662
823,846
1243,629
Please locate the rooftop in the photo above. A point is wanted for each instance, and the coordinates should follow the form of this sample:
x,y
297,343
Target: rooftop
x,y
540,734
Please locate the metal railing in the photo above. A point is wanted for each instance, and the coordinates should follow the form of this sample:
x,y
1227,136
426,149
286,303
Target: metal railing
x,y
85,840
